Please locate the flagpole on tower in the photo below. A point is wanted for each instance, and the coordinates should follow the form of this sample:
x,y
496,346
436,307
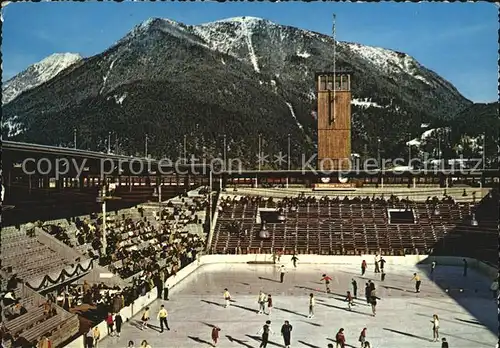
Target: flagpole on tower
x,y
334,64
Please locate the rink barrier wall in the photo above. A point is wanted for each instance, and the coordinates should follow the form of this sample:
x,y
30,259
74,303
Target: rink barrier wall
x,y
409,260
143,301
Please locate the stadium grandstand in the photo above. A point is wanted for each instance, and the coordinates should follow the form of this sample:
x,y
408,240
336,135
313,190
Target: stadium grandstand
x,y
59,279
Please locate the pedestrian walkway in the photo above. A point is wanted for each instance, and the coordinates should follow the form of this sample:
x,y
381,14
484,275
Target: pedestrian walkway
x,y
403,317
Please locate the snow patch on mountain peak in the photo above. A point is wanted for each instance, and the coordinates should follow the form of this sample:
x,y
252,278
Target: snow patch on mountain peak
x,y
231,41
248,20
37,74
165,25
389,61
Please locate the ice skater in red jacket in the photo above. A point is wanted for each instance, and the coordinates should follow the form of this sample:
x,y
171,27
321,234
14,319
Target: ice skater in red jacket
x,y
327,282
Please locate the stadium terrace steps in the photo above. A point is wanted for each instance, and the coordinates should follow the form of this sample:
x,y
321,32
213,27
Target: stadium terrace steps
x,y
344,228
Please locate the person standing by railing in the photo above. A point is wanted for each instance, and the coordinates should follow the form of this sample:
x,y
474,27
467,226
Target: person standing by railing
x,y
118,322
96,336
89,338
110,323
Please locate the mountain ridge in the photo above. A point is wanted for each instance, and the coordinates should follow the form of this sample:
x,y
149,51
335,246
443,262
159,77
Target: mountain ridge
x,y
270,62
37,74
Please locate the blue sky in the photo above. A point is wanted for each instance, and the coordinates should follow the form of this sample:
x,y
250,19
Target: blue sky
x,y
459,41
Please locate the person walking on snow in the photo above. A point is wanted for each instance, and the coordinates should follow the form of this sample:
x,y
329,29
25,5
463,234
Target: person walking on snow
x,y
327,282
227,298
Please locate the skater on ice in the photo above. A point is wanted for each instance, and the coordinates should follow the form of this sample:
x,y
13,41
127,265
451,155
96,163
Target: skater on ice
x,y
262,302
435,328
227,298
340,338
312,303
282,273
418,282
269,304
215,335
363,267
265,331
376,260
286,332
350,300
326,279
362,337
354,288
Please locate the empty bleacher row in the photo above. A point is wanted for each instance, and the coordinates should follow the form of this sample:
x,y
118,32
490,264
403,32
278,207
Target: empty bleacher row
x,y
348,227
24,254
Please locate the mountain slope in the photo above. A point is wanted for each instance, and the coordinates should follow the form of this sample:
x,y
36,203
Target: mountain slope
x,y
37,74
242,77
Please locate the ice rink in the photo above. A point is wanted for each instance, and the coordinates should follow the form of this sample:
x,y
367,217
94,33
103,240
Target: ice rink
x,y
468,318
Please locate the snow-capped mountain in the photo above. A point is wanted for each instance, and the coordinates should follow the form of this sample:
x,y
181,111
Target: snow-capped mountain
x,y
37,74
241,76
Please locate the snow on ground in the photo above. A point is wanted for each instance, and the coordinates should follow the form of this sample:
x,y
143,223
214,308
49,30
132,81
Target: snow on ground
x,y
13,127
414,142
228,41
105,77
248,38
365,103
119,100
303,54
294,117
389,61
402,320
